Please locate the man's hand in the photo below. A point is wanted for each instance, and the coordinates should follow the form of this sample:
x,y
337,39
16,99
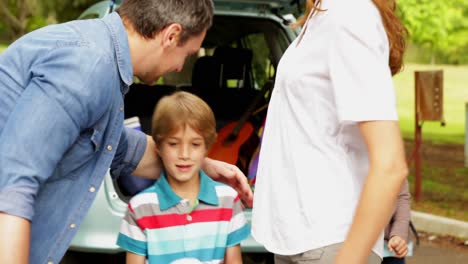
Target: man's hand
x,y
230,175
398,245
15,234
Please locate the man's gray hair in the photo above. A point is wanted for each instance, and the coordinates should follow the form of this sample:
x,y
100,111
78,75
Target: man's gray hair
x,y
149,17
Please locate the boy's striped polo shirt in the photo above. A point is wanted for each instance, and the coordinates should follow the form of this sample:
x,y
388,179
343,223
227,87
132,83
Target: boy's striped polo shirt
x,y
165,228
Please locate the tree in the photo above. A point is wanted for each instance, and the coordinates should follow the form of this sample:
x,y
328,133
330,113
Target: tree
x,y
18,15
66,10
440,26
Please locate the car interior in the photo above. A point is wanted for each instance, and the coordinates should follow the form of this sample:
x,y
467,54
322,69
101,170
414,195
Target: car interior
x,y
233,72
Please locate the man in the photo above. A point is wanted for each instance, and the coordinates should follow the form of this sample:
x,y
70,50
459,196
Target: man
x,y
61,117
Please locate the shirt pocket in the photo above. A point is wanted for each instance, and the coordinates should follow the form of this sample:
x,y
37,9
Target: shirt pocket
x,y
80,155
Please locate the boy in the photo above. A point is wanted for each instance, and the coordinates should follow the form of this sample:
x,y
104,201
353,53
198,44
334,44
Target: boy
x,y
185,216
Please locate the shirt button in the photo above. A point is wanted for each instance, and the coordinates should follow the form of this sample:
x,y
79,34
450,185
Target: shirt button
x,y
189,218
121,109
50,262
109,147
72,226
92,189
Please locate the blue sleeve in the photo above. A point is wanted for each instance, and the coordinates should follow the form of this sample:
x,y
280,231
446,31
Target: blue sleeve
x,y
58,102
131,148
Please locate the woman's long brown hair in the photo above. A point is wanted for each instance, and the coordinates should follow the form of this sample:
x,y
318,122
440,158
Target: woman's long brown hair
x,y
396,31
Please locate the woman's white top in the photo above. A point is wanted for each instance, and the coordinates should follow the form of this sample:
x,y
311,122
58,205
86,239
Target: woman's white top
x,y
313,160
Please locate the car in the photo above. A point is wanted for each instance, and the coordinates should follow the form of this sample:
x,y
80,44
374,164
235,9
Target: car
x,y
233,72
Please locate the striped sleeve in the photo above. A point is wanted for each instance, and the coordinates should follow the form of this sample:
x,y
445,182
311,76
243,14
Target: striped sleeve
x,y
239,229
131,237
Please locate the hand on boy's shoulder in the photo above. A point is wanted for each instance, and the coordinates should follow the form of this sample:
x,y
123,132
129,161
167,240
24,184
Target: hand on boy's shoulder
x,y
230,175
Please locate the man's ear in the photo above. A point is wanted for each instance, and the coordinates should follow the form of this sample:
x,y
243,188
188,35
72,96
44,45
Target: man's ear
x,y
171,35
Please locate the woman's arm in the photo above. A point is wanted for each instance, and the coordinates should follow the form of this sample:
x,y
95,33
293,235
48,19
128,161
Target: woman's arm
x,y
233,255
133,258
14,245
387,172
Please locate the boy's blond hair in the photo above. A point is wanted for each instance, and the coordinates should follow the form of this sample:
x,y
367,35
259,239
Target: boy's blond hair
x,y
179,109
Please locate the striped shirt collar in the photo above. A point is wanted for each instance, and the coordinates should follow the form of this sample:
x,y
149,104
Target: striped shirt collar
x,y
168,198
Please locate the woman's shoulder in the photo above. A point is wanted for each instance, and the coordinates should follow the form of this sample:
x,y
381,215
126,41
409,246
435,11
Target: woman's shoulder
x,y
359,19
357,13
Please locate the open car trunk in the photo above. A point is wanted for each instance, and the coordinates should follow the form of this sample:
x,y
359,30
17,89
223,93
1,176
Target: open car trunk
x,y
233,73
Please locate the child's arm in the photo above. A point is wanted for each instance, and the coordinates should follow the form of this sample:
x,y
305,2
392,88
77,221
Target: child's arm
x,y
399,224
133,258
233,255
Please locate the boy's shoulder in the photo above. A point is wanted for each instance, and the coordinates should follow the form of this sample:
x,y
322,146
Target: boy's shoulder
x,y
224,190
148,195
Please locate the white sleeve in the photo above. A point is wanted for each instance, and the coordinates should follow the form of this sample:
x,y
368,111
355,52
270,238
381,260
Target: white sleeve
x,y
359,71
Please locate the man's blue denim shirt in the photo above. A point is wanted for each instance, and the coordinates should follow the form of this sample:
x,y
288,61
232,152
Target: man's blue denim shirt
x,y
61,126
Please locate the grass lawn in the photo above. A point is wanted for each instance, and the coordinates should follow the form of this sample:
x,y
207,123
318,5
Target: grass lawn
x,y
455,97
443,192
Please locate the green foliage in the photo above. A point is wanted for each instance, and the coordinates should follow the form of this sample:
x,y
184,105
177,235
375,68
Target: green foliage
x,y
18,17
261,62
3,30
66,10
441,26
35,22
15,16
2,47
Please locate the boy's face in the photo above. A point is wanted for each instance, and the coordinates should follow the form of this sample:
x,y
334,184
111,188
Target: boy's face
x,y
182,153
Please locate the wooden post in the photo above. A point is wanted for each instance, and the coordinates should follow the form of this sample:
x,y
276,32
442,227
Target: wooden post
x,y
428,106
417,140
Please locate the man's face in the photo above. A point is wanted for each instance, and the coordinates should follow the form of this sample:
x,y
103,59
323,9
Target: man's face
x,y
171,59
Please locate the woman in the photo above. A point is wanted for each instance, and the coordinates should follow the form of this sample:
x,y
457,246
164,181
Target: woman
x,y
332,160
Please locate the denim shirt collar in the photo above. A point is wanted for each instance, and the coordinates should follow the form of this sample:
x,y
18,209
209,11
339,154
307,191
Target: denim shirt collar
x,y
168,198
122,50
